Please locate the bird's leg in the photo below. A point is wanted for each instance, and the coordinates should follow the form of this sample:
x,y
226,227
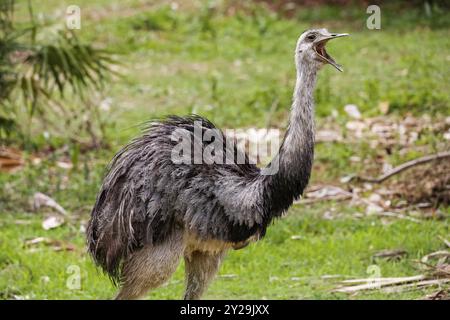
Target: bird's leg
x,y
201,267
150,267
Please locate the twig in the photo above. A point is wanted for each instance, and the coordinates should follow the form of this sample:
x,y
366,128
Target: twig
x,y
403,167
377,283
328,198
382,280
437,254
447,243
439,295
414,285
396,215
338,194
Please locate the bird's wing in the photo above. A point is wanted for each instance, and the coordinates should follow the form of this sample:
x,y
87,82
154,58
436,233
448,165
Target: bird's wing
x,y
144,196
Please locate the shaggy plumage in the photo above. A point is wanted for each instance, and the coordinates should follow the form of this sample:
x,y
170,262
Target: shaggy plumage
x,y
148,204
144,196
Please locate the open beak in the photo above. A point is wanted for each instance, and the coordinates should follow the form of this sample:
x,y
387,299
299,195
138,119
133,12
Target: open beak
x,y
319,47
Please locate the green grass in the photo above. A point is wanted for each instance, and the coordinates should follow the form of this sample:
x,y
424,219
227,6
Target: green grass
x,y
231,69
278,267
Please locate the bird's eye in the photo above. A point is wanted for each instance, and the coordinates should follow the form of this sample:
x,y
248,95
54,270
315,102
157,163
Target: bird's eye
x,y
311,37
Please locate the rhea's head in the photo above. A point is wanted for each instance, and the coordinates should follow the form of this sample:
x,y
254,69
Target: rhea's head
x,y
310,48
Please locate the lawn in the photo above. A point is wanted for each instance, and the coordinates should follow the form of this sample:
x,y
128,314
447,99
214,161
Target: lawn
x,y
234,64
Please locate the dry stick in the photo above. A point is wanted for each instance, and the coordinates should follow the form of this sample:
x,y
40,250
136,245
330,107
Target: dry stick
x,y
396,215
343,197
404,166
414,285
379,283
447,243
383,280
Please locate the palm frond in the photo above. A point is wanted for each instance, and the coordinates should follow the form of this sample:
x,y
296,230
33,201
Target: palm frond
x,y
37,72
68,64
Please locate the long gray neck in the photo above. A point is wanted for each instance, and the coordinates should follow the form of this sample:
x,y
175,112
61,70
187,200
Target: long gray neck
x,y
286,183
298,143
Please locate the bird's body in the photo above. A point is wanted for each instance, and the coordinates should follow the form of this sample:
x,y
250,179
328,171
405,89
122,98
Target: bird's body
x,y
153,209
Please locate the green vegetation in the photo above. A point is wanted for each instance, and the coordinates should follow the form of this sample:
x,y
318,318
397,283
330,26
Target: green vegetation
x,y
234,64
37,69
277,268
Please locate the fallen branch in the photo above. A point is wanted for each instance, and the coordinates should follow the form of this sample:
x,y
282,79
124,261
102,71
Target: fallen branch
x,y
395,254
310,200
395,215
437,254
323,193
378,283
414,285
403,167
326,193
438,295
383,280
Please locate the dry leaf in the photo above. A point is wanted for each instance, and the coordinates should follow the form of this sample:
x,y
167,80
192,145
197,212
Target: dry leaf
x,y
438,295
346,179
25,297
447,243
40,200
327,192
10,159
328,136
64,165
357,127
437,254
52,222
375,198
228,276
383,107
447,135
353,111
35,241
373,209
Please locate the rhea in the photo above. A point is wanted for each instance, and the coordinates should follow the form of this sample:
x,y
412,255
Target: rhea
x,y
152,211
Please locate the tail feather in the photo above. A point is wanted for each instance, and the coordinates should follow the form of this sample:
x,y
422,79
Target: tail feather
x,y
110,234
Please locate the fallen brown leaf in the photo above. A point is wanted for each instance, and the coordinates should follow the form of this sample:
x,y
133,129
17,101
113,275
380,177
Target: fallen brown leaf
x,y
52,222
10,159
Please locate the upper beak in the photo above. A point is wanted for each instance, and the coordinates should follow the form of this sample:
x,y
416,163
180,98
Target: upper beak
x,y
337,35
323,54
